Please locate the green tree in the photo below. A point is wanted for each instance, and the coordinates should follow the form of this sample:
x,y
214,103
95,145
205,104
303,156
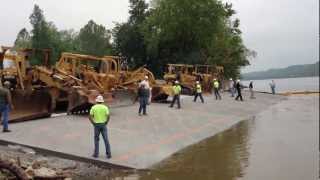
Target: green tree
x,y
194,31
23,39
94,39
44,36
128,38
40,32
227,48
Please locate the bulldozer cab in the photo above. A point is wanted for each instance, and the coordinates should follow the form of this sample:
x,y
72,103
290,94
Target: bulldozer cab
x,y
204,69
16,65
181,72
184,73
29,102
73,64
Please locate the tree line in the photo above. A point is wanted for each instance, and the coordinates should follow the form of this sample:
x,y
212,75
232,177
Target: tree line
x,y
161,32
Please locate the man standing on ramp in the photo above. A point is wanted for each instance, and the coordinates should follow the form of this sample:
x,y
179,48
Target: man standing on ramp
x,y
5,105
99,117
177,92
198,92
216,87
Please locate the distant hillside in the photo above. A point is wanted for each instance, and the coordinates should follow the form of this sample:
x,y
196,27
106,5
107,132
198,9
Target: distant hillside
x,y
305,70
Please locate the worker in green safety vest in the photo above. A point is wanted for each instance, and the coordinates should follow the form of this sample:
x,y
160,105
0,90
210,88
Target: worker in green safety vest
x,y
176,97
216,87
198,92
99,117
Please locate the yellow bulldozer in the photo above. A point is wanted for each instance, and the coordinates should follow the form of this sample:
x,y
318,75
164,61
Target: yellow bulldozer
x,y
187,75
206,74
129,79
77,79
31,100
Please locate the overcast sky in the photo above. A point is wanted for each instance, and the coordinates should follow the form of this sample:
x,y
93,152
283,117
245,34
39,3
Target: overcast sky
x,y
282,32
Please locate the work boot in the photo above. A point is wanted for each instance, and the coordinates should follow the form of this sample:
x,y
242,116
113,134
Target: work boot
x,y
95,156
109,156
6,130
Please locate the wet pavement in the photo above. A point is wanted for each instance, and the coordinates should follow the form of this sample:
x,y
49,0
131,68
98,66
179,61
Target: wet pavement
x,y
141,142
280,143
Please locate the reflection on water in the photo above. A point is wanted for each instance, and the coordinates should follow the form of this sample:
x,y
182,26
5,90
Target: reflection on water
x,y
221,157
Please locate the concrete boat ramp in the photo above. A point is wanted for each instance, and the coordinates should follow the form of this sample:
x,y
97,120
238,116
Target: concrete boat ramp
x,y
139,141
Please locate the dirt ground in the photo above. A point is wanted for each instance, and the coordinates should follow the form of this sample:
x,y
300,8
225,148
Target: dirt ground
x,y
29,160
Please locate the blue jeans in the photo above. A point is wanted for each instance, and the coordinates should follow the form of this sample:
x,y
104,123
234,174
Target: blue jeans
x,y
216,93
273,89
143,104
176,98
4,110
101,128
232,91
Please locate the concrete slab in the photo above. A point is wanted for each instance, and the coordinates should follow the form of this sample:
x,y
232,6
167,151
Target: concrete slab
x,y
140,141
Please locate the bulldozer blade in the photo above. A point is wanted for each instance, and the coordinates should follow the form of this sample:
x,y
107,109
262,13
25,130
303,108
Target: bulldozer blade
x,y
80,102
121,97
160,93
29,105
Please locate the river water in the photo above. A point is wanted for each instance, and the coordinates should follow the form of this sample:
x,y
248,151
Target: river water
x,y
289,84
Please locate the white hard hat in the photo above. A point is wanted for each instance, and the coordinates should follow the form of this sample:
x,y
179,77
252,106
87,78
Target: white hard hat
x,y
214,79
197,82
176,82
6,83
230,79
99,99
238,80
146,77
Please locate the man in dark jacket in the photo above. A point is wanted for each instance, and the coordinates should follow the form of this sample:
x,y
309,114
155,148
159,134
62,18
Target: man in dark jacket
x,y
251,90
239,87
143,95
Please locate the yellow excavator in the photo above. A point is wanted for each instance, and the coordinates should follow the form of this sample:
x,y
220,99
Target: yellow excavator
x,y
31,100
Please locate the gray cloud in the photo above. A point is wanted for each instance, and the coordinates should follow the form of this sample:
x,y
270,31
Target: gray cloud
x,y
283,32
66,14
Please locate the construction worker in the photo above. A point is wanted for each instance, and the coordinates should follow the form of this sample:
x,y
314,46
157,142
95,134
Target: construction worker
x,y
239,86
251,90
5,105
177,91
99,117
216,86
232,87
146,84
143,99
198,92
273,87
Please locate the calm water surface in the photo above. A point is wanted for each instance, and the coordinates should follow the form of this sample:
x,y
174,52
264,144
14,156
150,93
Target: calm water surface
x,y
289,84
